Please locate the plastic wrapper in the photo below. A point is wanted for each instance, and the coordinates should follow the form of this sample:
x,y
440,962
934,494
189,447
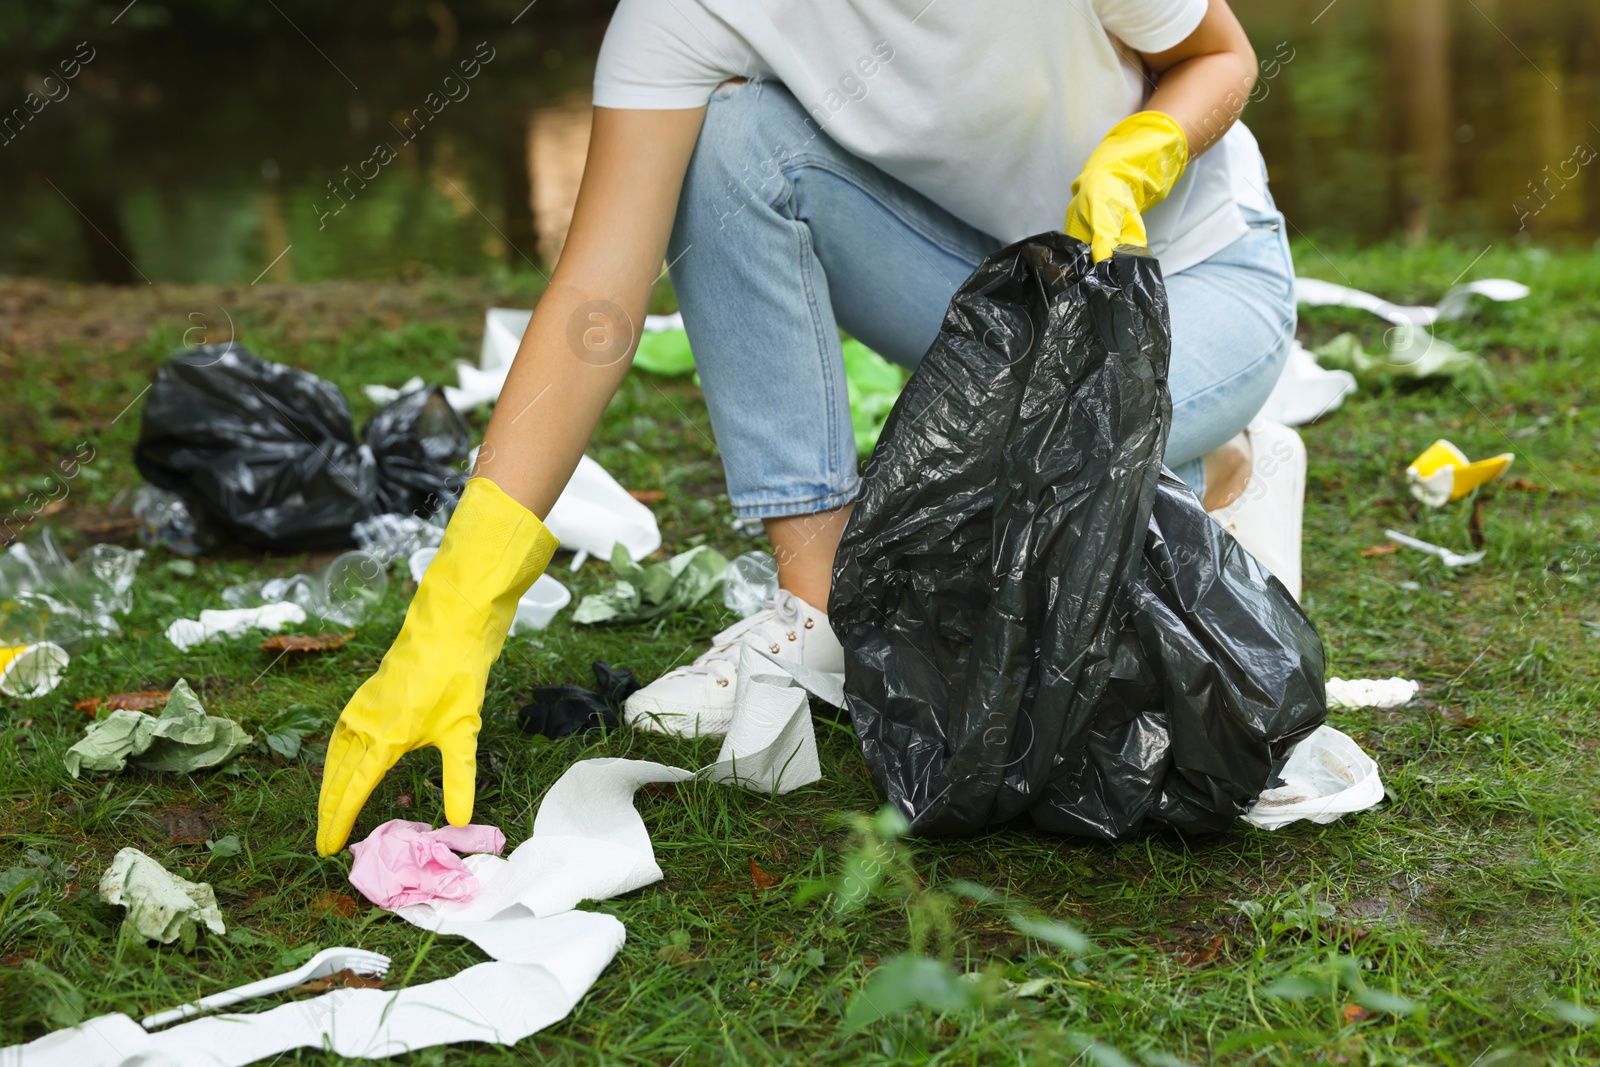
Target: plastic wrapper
x,y
1037,618
269,452
749,582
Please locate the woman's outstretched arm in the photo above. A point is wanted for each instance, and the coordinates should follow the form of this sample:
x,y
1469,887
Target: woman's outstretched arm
x,y
584,329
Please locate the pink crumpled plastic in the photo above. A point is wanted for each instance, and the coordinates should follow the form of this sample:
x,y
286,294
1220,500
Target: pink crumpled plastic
x,y
404,862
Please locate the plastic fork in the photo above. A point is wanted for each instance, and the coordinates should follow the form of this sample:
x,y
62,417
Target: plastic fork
x,y
327,962
1451,559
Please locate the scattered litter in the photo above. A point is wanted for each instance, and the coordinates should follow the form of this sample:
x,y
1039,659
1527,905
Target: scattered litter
x,y
1410,354
269,452
1306,391
160,905
641,593
749,582
165,521
300,645
325,964
1444,473
386,394
1455,304
1371,692
182,738
594,514
1114,661
1327,776
1451,559
344,591
588,843
535,609
214,624
143,700
403,862
46,597
391,536
664,352
29,671
558,710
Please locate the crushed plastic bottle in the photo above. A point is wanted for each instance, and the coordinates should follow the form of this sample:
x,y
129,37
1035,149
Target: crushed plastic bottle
x,y
44,596
343,592
50,605
748,583
166,522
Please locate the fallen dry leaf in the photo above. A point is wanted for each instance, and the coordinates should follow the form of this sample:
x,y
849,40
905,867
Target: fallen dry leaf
x,y
144,700
345,979
305,645
1200,955
329,902
184,825
648,496
1387,548
404,800
1354,1013
761,878
1526,486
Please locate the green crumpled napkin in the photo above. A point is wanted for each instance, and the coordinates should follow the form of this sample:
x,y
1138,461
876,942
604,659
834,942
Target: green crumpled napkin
x,y
1415,355
161,906
182,738
648,592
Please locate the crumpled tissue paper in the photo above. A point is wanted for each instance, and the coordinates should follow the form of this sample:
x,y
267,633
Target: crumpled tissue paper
x,y
403,862
161,906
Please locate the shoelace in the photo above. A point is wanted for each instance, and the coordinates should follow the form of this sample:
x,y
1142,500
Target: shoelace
x,y
768,627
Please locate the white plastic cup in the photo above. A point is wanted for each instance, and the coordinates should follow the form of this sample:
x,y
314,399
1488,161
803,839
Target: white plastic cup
x,y
29,671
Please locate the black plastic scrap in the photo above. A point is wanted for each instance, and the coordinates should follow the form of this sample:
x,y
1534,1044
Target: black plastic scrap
x,y
270,452
1036,616
558,710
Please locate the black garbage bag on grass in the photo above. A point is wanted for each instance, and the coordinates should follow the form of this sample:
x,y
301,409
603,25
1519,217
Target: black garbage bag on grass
x,y
1036,616
270,453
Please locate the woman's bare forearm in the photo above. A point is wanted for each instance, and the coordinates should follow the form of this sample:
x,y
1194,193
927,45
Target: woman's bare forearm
x,y
1206,80
585,327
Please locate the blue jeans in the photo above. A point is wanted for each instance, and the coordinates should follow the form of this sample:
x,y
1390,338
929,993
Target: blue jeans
x,y
782,238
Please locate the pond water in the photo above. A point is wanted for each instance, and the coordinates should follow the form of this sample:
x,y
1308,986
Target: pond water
x,y
280,160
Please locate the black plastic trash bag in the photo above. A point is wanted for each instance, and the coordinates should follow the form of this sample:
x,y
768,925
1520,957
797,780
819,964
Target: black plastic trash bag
x,y
1036,617
270,453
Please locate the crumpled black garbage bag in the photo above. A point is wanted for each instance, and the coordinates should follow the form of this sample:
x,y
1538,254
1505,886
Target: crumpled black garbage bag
x,y
558,710
270,454
1036,616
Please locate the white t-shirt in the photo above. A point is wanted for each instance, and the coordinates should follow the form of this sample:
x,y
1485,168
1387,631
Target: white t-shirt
x,y
987,107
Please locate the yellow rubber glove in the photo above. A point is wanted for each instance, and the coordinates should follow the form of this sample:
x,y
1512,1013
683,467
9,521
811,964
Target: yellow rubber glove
x,y
429,688
1132,170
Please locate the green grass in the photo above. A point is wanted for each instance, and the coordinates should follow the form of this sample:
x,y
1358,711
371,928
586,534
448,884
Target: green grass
x,y
1456,924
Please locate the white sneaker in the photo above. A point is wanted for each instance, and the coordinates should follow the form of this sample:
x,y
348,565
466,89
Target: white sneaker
x,y
697,700
1266,517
